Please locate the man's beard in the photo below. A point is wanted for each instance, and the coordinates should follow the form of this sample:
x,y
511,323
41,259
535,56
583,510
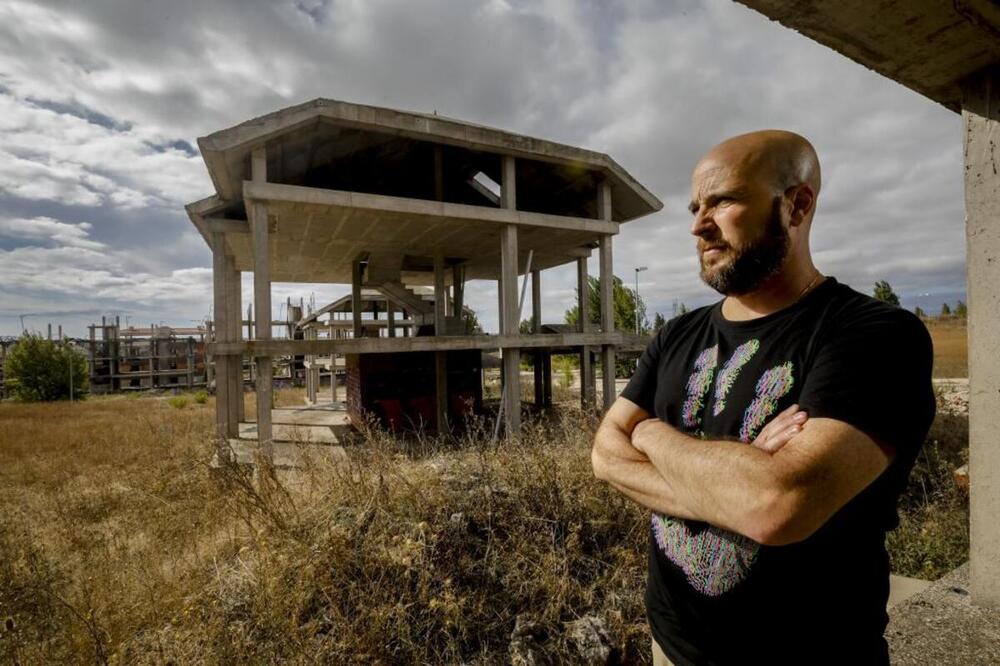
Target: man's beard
x,y
754,262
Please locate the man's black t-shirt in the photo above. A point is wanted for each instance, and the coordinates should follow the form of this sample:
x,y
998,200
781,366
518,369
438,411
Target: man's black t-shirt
x,y
716,597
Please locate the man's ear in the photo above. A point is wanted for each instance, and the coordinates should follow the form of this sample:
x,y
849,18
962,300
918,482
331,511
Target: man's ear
x,y
803,200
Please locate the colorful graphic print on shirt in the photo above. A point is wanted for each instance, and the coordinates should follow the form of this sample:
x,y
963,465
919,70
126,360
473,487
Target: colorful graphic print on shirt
x,y
715,560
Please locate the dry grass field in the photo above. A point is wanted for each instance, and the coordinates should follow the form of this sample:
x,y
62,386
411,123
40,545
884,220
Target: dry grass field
x,y
951,350
119,545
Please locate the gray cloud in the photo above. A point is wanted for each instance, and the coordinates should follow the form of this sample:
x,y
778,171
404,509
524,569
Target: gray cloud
x,y
101,103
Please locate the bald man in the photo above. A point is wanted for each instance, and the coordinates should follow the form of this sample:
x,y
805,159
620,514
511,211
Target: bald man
x,y
770,433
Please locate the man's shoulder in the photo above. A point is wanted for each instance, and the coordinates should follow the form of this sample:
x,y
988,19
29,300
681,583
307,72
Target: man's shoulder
x,y
853,308
677,326
852,313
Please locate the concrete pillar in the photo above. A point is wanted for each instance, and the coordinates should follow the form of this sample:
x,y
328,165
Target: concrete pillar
x,y
508,310
458,288
220,308
234,370
500,326
440,296
511,355
262,306
536,329
390,313
356,304
607,299
981,125
440,357
587,387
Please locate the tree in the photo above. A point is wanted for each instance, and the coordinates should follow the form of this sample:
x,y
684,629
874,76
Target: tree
x,y
961,310
883,292
472,326
41,370
683,309
919,311
624,303
527,326
658,321
945,310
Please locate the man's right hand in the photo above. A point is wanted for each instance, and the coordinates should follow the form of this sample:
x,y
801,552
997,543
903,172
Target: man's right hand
x,y
780,429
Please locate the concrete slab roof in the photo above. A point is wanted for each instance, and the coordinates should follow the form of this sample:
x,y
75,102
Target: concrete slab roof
x,y
347,180
226,152
929,46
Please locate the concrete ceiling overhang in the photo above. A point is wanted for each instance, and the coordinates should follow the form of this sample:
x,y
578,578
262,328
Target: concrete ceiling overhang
x,y
929,46
226,152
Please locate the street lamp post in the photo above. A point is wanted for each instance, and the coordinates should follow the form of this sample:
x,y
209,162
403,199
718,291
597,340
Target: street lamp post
x,y
638,270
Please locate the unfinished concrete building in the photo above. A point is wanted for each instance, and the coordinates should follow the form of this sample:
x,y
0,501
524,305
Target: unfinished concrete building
x,y
335,192
142,359
6,343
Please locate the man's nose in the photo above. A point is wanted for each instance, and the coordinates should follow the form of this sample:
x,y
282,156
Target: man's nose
x,y
702,225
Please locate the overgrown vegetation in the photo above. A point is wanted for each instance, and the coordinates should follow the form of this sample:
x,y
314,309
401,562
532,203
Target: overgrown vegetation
x,y
37,369
118,544
933,533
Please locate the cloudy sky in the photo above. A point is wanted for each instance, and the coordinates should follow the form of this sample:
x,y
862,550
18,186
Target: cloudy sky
x,y
101,103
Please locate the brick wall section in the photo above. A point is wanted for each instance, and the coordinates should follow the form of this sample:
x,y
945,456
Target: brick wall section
x,y
352,379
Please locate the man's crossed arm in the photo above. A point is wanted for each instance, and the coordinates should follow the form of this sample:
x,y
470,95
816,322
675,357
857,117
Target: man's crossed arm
x,y
782,488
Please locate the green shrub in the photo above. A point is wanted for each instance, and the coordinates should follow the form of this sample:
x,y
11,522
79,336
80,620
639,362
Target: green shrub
x,y
201,397
178,401
43,370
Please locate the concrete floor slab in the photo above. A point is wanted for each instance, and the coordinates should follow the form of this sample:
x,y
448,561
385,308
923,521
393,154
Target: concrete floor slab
x,y
288,455
941,626
902,588
325,423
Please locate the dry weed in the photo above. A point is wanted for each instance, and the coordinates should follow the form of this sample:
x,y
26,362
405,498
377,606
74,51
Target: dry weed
x,y
117,544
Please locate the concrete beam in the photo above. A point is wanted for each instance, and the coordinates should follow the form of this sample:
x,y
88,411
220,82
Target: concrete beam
x,y
418,208
424,343
223,226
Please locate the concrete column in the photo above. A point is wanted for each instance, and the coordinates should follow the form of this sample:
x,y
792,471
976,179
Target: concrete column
x,y
587,387
234,370
509,298
500,301
440,296
536,329
390,313
607,299
238,321
440,357
356,304
458,288
511,355
981,125
220,308
262,306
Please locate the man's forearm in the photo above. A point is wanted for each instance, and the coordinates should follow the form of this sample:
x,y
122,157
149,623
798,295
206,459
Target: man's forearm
x,y
727,484
629,471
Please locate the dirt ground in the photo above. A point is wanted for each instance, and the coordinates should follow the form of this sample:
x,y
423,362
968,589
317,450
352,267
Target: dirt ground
x,y
951,349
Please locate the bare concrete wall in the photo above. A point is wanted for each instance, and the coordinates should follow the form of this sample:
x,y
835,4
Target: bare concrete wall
x,y
981,125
